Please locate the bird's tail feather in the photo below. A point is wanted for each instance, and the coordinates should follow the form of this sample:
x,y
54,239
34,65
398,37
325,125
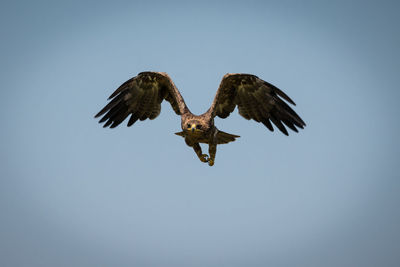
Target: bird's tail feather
x,y
222,137
181,134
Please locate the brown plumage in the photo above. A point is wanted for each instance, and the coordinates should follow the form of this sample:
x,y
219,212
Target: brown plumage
x,y
140,98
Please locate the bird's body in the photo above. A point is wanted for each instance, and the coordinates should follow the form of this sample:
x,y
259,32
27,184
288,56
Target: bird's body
x,y
141,97
201,130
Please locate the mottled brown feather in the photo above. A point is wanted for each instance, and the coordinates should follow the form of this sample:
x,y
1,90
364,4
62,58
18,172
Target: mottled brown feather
x,y
141,97
256,99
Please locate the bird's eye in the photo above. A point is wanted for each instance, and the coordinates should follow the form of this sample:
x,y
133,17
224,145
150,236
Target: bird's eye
x,y
198,126
188,125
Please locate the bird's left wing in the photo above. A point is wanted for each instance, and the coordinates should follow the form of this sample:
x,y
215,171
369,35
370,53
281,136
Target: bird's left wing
x,y
256,99
141,97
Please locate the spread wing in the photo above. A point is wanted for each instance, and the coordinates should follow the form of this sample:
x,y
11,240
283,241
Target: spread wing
x,y
141,97
256,99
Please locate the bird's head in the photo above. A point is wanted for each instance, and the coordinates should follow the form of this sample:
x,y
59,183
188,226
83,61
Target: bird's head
x,y
194,126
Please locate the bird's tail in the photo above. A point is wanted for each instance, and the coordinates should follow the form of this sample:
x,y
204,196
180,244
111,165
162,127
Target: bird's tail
x,y
224,138
180,134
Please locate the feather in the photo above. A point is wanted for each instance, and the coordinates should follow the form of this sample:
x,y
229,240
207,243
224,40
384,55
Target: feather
x,y
126,85
279,124
267,124
132,119
280,93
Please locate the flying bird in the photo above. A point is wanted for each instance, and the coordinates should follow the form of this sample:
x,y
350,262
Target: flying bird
x,y
141,97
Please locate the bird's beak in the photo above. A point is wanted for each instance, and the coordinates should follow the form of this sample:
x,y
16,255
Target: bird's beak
x,y
193,129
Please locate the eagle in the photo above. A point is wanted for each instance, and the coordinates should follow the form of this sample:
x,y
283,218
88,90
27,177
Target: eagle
x,y
140,98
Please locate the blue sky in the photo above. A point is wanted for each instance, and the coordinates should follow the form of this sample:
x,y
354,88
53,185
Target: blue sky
x,y
75,194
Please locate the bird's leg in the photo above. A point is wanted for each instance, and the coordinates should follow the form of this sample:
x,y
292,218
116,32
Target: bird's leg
x,y
212,150
199,153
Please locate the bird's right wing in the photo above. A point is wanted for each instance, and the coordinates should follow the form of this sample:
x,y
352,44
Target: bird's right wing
x,y
141,97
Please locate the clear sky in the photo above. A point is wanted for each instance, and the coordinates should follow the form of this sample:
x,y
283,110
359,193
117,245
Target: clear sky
x,y
75,194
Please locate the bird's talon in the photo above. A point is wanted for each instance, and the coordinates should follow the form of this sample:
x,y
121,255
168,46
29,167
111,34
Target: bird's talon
x,y
210,162
204,158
